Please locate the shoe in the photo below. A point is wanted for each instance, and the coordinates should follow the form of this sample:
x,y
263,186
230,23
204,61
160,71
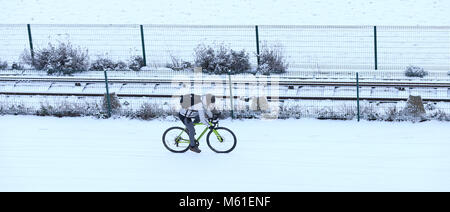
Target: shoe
x,y
195,149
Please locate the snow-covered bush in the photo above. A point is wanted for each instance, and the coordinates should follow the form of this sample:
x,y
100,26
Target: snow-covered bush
x,y
368,112
69,109
3,65
178,64
440,115
136,63
63,59
149,111
102,64
221,60
272,61
205,57
287,111
415,71
14,109
340,113
17,66
239,61
391,114
113,100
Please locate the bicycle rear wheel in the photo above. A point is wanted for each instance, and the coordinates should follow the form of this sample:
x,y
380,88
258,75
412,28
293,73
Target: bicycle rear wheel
x,y
176,139
224,141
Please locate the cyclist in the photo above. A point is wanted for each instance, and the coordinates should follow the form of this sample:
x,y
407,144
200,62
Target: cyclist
x,y
198,108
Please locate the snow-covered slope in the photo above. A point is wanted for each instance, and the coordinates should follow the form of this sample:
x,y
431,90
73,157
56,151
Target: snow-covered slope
x,y
85,154
284,12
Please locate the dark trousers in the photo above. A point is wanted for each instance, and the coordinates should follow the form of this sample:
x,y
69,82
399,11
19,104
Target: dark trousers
x,y
190,127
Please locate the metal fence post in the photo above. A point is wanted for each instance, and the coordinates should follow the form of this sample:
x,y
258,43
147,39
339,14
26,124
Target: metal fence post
x,y
31,43
375,46
143,45
357,96
231,96
257,44
108,99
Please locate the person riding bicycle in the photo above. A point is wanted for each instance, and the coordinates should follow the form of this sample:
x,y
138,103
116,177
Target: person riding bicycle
x,y
198,108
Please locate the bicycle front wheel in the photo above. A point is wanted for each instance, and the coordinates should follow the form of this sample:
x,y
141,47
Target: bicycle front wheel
x,y
176,139
221,140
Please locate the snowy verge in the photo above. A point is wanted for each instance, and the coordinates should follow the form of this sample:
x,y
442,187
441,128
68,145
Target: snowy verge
x,y
87,154
290,12
167,108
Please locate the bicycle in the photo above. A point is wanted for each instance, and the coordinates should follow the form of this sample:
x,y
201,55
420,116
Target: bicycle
x,y
219,139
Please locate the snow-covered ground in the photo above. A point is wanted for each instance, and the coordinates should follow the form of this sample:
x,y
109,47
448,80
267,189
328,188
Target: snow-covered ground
x,y
250,12
85,154
313,46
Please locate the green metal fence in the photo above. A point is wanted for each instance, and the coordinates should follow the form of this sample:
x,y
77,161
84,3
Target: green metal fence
x,y
360,96
304,47
378,54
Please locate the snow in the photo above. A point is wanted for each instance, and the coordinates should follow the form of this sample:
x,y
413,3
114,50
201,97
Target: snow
x,y
86,154
239,12
316,45
220,87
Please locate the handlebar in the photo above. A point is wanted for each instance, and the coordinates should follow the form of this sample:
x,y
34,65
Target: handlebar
x,y
214,120
216,115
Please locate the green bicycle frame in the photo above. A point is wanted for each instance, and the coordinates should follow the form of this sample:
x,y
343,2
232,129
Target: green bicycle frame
x,y
182,140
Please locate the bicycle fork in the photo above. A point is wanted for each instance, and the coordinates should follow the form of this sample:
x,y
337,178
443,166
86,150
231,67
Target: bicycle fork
x,y
218,135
